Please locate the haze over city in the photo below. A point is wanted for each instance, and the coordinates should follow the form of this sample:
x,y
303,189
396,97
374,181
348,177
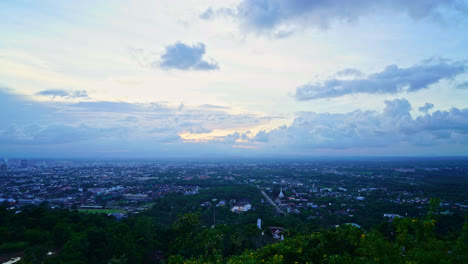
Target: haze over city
x,y
233,131
271,78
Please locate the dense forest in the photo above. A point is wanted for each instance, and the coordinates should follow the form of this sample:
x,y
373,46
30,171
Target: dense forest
x,y
45,235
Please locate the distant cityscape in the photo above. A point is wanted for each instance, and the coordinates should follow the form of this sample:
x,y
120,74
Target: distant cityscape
x,y
133,186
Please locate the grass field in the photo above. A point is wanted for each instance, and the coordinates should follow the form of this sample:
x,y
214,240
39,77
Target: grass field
x,y
101,211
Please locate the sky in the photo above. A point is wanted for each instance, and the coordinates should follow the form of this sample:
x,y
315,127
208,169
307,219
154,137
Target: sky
x,y
234,78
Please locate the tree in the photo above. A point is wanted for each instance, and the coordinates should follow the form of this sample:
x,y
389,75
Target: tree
x,y
118,260
185,229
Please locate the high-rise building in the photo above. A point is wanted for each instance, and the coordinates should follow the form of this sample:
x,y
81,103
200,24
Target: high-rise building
x,y
3,169
24,164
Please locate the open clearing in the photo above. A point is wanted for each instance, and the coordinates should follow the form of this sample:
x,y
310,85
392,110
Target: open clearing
x,y
101,211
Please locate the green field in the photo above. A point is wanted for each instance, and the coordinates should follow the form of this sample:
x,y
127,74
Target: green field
x,y
101,211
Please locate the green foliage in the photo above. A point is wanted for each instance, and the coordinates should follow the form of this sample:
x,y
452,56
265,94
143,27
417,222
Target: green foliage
x,y
75,237
92,238
185,229
61,233
416,243
12,247
118,260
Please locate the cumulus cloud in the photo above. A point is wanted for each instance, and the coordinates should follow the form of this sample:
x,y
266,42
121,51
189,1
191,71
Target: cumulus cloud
x,y
391,80
63,93
154,124
369,129
155,129
398,108
182,56
426,107
272,16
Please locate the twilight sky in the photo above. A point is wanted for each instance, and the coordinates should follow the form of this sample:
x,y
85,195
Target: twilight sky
x,y
235,78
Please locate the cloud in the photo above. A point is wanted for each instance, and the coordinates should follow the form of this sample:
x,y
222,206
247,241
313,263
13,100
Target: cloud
x,y
49,132
209,106
155,129
211,13
101,124
398,108
391,80
261,136
349,72
393,128
463,85
207,14
63,93
272,16
41,134
181,56
426,108
181,106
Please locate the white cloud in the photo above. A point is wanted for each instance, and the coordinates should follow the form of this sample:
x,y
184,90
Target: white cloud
x,y
369,129
182,56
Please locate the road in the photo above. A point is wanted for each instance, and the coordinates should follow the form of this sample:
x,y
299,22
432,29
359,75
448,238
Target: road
x,y
273,203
